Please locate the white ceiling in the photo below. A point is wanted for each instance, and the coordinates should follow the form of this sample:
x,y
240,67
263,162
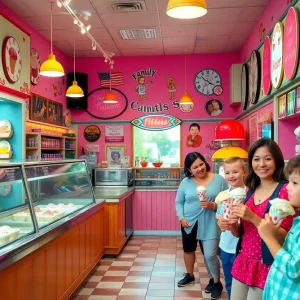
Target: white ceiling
x,y
224,29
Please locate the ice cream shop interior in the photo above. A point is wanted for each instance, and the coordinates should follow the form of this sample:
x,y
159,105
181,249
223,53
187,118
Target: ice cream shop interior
x,y
102,102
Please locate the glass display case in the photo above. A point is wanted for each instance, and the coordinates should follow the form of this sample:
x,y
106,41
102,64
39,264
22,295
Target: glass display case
x,y
158,177
34,195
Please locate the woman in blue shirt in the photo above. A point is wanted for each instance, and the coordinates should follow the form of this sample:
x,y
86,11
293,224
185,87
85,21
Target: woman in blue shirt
x,y
198,222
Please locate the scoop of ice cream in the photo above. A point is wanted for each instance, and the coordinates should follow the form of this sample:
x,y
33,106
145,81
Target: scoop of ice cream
x,y
201,188
223,197
12,53
238,192
280,209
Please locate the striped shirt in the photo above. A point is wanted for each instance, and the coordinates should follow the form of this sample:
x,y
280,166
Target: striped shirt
x,y
283,282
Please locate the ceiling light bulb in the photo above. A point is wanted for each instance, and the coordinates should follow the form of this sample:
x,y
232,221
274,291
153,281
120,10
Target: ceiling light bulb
x,y
82,30
86,17
75,22
94,46
59,4
67,2
88,27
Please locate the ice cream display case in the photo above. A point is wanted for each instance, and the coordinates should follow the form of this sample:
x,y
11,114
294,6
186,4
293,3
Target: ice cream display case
x,y
37,198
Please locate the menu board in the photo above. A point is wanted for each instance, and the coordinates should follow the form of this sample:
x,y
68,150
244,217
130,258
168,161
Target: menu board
x,y
10,174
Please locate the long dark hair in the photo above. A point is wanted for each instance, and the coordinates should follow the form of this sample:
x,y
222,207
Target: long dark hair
x,y
189,160
252,181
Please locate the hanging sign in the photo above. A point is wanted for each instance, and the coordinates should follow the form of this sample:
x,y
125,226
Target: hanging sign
x,y
291,44
92,133
276,55
266,66
114,134
156,122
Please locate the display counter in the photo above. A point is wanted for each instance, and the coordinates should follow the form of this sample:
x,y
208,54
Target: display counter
x,y
51,229
111,194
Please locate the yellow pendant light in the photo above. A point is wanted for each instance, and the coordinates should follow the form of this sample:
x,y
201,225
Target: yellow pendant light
x,y
186,9
51,67
74,91
110,97
186,98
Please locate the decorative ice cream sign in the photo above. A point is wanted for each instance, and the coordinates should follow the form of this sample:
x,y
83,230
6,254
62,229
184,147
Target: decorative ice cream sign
x,y
276,55
156,122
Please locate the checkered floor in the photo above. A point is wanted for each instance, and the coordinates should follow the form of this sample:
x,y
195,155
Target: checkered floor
x,y
148,268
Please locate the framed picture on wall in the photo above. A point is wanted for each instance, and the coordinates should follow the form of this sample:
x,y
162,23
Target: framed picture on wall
x,y
298,100
282,106
38,108
291,102
55,113
114,154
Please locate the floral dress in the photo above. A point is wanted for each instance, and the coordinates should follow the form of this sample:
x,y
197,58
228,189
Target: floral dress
x,y
248,267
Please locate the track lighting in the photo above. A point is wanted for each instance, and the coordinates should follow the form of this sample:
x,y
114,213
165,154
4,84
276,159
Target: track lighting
x,y
94,46
82,30
59,4
88,27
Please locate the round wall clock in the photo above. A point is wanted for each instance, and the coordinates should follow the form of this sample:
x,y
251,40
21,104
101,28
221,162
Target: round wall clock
x,y
254,77
11,59
244,86
206,80
35,65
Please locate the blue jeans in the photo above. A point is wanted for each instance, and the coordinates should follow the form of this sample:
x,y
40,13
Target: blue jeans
x,y
227,263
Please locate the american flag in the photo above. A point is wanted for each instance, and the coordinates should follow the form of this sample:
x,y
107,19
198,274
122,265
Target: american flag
x,y
115,79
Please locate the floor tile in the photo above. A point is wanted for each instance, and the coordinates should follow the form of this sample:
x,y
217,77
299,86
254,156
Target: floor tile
x,y
85,291
109,285
189,294
80,297
119,268
95,278
106,292
91,284
135,285
158,298
98,297
141,268
116,273
161,279
137,279
143,263
125,297
139,273
133,292
122,263
160,293
161,286
113,279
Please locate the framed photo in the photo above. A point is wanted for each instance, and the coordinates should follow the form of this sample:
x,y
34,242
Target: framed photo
x,y
114,154
291,101
298,100
282,106
38,108
214,107
55,113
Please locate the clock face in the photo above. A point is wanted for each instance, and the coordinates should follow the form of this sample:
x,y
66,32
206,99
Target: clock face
x,y
244,86
254,77
35,65
206,80
11,59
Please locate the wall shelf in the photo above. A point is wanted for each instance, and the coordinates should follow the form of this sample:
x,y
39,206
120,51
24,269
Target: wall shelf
x,y
296,115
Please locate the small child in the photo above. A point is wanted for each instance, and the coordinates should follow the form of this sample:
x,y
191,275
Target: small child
x,y
194,139
283,281
234,169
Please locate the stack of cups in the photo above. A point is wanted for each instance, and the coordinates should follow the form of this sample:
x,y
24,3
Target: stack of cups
x,y
201,190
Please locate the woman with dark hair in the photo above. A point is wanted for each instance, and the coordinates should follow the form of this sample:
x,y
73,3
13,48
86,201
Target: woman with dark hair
x,y
198,220
265,181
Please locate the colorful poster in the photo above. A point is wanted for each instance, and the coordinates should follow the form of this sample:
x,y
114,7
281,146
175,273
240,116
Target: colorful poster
x,y
194,140
253,126
114,134
298,100
282,106
291,99
267,66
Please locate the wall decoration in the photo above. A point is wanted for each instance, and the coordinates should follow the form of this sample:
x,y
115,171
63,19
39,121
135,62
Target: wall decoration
x,y
100,110
194,140
92,148
185,107
266,69
111,79
141,88
15,69
67,118
244,86
156,122
5,129
291,44
253,129
11,59
171,85
92,133
114,154
213,107
282,106
206,80
254,77
114,134
55,113
291,101
35,65
38,108
213,145
277,55
298,100
218,90
262,32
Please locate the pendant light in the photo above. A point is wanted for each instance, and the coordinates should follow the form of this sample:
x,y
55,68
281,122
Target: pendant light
x,y
186,9
110,97
74,91
51,67
186,98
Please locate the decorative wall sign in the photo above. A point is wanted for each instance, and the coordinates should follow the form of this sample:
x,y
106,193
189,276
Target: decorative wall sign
x,y
35,65
100,110
291,101
114,154
267,66
171,85
92,133
291,44
55,113
282,106
15,62
277,55
114,134
213,107
244,86
254,77
253,129
92,148
38,108
206,80
218,90
67,118
11,59
298,100
156,122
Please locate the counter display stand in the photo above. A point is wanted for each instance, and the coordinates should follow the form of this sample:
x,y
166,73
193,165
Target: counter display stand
x,y
53,232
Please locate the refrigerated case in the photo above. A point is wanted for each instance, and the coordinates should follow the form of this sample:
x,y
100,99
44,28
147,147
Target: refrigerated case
x,y
37,198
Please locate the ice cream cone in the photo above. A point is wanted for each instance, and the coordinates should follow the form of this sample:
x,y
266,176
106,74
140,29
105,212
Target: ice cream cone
x,y
12,65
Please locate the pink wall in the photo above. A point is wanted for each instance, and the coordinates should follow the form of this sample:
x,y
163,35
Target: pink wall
x,y
158,92
45,86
